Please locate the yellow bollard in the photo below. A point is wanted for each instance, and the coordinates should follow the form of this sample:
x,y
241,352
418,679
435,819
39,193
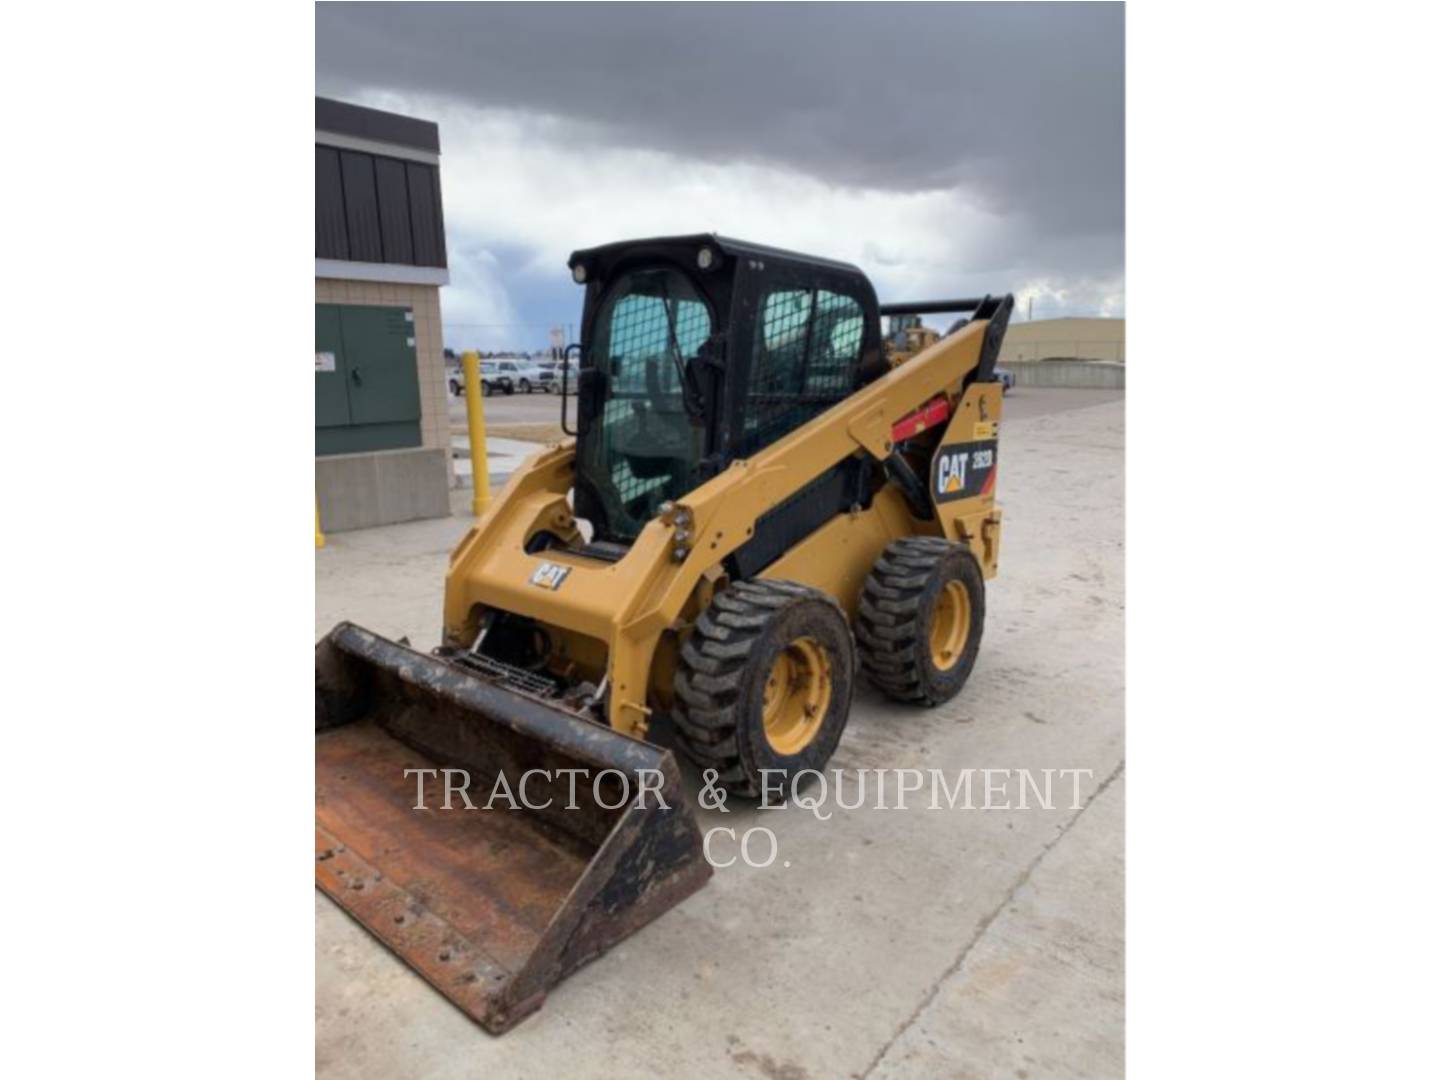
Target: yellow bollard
x,y
319,536
475,412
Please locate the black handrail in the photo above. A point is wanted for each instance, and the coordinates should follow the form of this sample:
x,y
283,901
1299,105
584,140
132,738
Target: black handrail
x,y
930,307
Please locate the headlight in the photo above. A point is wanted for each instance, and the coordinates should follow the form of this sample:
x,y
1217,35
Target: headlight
x,y
706,258
578,273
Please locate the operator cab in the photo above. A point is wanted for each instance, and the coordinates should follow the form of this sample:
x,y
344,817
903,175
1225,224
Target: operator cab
x,y
699,350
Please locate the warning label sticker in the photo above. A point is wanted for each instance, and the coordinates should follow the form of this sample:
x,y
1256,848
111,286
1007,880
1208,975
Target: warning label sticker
x,y
549,576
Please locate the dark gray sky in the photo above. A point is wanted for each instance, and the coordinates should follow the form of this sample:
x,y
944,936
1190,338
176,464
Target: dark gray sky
x,y
975,143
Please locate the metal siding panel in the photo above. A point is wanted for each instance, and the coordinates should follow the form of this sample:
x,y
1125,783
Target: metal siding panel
x,y
331,241
425,225
439,216
362,212
358,438
394,201
344,118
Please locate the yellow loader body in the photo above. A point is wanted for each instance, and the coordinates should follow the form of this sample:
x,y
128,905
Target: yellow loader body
x,y
759,504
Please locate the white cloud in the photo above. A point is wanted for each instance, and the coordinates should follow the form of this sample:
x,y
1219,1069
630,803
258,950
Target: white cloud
x,y
1048,297
538,184
545,186
476,306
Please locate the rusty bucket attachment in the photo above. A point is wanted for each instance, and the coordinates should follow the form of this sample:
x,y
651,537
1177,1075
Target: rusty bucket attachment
x,y
491,906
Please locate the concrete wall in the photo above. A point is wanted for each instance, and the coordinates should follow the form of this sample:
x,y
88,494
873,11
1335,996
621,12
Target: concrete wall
x,y
1069,339
1071,374
357,491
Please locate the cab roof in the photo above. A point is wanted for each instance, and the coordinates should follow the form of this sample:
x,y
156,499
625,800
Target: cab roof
x,y
600,258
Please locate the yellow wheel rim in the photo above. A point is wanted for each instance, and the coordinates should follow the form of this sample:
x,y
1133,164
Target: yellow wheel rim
x,y
949,626
797,696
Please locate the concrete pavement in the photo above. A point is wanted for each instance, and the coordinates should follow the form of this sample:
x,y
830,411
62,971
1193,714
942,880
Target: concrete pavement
x,y
1021,403
896,943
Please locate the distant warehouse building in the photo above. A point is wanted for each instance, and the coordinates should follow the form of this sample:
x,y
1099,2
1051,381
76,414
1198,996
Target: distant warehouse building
x,y
1064,339
382,432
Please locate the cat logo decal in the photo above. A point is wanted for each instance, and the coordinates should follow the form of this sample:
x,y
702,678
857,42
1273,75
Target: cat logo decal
x,y
963,470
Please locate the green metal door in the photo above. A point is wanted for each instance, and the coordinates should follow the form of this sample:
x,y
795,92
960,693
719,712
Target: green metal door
x,y
371,400
332,400
380,356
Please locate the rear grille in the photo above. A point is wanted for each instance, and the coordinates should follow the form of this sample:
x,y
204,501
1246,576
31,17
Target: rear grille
x,y
507,675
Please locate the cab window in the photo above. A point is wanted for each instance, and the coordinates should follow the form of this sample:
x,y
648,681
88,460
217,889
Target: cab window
x,y
806,358
652,323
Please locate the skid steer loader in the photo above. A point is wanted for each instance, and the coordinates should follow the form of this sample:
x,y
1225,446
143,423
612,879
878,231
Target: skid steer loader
x,y
757,506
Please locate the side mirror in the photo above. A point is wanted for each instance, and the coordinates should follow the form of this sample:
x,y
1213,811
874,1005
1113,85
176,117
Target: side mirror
x,y
565,386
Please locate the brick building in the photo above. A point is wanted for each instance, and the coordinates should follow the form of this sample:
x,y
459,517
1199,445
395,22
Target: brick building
x,y
381,407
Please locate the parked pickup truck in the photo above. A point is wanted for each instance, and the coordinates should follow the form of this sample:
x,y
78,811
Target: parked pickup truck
x,y
506,377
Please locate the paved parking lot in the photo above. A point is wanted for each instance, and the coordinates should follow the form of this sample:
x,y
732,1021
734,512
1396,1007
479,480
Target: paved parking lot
x,y
503,412
895,943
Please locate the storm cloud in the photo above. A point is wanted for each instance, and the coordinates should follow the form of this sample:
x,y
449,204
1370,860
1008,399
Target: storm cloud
x,y
962,143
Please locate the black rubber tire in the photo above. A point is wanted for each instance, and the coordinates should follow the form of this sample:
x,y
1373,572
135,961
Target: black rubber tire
x,y
720,683
454,388
896,607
